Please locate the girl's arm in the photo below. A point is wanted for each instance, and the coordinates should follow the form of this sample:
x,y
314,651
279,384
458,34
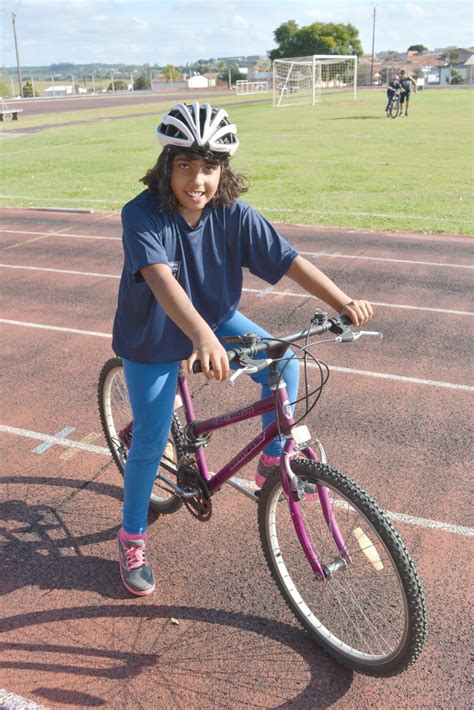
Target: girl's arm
x,y
177,306
309,277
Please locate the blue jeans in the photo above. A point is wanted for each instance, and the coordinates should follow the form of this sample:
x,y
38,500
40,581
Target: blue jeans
x,y
152,389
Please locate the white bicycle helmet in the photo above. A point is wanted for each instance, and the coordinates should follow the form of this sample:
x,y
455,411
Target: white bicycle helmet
x,y
198,126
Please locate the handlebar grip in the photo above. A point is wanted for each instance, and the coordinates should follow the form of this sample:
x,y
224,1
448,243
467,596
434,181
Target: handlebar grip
x,y
345,320
197,363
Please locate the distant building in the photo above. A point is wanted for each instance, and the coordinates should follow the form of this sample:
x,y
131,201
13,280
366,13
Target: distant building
x,y
60,90
429,67
198,81
211,77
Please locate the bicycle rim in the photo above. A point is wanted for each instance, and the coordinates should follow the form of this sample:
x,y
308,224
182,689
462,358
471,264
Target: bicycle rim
x,y
370,612
394,109
116,418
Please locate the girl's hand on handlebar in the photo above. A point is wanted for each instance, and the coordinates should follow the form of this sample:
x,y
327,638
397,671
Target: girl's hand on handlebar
x,y
213,357
358,311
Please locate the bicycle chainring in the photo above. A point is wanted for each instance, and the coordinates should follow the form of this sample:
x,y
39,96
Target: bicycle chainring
x,y
200,504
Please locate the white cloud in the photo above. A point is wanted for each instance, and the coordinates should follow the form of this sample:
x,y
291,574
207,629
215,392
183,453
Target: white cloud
x,y
141,24
416,11
180,31
239,23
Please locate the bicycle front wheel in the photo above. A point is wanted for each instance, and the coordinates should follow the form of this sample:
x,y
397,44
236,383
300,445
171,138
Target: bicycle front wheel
x,y
395,108
369,613
116,418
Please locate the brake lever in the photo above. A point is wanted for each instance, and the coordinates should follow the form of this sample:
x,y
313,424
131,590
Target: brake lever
x,y
348,336
250,369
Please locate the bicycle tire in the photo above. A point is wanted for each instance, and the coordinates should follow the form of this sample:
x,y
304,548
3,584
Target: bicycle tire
x,y
394,108
370,619
115,416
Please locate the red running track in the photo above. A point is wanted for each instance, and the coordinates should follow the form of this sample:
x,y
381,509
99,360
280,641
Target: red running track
x,y
395,416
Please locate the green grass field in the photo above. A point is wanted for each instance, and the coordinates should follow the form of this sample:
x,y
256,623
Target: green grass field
x,y
340,163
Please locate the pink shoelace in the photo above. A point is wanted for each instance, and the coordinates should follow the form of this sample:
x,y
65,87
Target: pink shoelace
x,y
136,555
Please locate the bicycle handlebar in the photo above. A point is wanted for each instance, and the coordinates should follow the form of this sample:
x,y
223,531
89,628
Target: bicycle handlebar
x,y
323,324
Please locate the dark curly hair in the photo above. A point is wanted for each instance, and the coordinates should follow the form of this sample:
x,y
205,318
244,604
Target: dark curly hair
x,y
157,179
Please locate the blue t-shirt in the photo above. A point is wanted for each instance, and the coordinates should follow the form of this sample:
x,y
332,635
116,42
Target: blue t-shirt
x,y
207,261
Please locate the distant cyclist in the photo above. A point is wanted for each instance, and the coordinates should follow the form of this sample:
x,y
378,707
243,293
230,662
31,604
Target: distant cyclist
x,y
393,86
406,81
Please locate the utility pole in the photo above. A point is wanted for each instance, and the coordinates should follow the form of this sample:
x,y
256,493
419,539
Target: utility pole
x,y
17,56
373,45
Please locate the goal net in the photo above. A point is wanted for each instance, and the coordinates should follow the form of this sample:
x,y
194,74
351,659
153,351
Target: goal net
x,y
242,86
303,80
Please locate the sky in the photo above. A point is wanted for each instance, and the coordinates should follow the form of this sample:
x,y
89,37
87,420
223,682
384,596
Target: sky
x,y
181,31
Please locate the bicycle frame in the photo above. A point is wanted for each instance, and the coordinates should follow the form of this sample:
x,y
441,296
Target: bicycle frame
x,y
277,402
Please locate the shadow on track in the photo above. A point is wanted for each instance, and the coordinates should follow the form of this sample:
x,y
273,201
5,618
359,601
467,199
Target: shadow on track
x,y
243,654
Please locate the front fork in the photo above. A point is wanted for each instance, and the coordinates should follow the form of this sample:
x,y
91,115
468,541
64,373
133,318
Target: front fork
x,y
290,486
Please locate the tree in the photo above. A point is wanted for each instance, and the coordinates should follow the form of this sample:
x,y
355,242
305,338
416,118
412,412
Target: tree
x,y
119,85
141,83
28,90
417,48
451,56
5,87
456,77
223,74
171,73
318,38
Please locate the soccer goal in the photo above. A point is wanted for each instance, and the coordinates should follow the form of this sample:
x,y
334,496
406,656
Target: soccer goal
x,y
303,80
242,86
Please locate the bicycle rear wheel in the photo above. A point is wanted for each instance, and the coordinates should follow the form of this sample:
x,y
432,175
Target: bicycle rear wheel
x,y
369,613
116,419
394,107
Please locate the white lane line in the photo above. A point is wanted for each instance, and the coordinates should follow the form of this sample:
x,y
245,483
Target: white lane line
x,y
336,255
69,443
12,701
54,440
294,294
334,368
57,234
398,378
398,517
316,255
384,215
59,271
58,328
434,524
259,291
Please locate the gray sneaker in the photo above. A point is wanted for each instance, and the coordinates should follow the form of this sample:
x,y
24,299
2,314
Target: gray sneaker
x,y
136,572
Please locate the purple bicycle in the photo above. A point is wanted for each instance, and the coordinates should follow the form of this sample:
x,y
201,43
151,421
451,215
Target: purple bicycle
x,y
334,554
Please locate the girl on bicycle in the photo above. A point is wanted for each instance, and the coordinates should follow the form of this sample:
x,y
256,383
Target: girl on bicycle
x,y
186,238
392,88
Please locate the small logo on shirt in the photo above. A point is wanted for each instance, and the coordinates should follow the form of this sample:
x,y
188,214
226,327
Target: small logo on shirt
x,y
175,267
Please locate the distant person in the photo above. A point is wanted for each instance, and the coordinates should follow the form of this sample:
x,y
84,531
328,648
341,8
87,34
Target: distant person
x,y
393,86
406,81
186,239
